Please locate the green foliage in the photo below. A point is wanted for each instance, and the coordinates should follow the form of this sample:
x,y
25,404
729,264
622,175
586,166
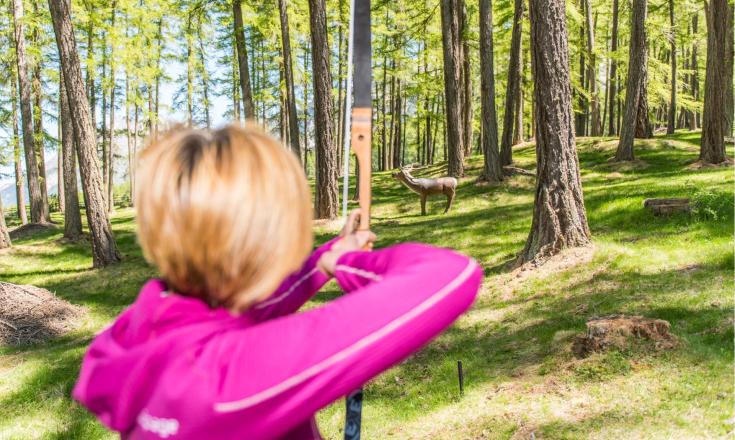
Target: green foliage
x,y
712,205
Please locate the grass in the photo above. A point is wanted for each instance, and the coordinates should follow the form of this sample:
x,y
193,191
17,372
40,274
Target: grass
x,y
520,376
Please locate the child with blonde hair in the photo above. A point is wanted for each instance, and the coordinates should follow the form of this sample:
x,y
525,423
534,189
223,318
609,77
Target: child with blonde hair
x,y
214,348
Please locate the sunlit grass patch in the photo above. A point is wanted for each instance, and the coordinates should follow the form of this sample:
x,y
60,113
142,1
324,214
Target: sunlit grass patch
x,y
520,374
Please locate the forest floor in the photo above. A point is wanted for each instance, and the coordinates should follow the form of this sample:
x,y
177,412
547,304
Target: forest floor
x,y
521,379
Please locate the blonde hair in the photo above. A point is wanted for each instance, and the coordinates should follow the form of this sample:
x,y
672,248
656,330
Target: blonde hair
x,y
224,215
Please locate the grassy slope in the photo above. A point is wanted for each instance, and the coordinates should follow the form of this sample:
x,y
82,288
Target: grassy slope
x,y
519,374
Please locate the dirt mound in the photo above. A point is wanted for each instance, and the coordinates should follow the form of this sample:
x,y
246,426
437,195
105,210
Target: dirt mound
x,y
30,229
619,331
29,315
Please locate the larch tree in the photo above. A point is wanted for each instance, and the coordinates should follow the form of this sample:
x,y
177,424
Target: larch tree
x,y
613,82
513,85
713,120
37,106
292,115
19,181
492,170
242,61
451,11
326,205
671,125
39,209
595,121
635,85
72,216
104,248
559,216
728,74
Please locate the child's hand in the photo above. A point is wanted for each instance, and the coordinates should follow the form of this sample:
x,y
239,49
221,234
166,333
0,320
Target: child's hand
x,y
350,240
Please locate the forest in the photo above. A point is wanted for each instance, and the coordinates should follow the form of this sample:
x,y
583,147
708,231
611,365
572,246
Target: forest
x,y
559,120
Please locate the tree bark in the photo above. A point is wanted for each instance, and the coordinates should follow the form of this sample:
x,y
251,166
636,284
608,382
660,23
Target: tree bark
x,y
72,216
713,120
39,210
513,85
189,72
492,171
111,131
398,129
453,64
20,198
326,154
203,72
293,122
559,216
596,124
38,133
104,249
694,121
467,115
242,60
671,127
728,76
613,88
635,88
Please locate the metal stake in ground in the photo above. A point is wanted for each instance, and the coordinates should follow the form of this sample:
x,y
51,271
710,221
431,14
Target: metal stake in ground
x,y
460,375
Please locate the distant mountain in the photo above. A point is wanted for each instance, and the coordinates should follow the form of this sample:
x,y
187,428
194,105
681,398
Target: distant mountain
x,y
7,185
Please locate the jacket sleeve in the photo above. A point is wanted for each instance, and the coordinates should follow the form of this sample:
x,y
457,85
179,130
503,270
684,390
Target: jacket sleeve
x,y
295,290
278,373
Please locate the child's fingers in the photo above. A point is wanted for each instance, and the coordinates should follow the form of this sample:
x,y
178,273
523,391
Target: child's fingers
x,y
351,223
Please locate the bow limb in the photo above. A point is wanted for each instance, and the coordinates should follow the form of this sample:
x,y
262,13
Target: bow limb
x,y
361,143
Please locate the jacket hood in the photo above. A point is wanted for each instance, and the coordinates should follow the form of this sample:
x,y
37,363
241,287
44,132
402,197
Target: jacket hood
x,y
125,361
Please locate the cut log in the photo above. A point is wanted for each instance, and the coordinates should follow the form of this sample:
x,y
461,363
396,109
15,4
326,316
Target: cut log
x,y
509,170
667,206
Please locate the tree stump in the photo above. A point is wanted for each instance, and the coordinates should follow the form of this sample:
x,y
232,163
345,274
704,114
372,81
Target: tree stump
x,y
667,206
619,330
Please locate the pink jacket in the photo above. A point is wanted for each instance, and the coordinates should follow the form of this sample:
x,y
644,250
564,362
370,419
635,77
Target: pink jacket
x,y
170,367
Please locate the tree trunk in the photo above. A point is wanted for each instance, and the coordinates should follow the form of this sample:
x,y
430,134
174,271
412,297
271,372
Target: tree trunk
x,y
72,217
613,97
159,49
20,198
398,131
727,81
518,126
581,116
111,132
59,152
559,216
713,133
383,133
671,127
103,130
38,133
453,63
513,85
39,210
694,121
203,73
492,171
326,154
467,115
293,122
104,249
4,235
189,72
242,60
596,124
638,64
